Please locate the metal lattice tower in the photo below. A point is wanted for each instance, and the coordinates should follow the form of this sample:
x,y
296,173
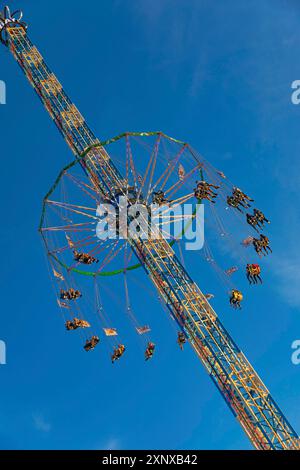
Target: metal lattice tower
x,y
239,384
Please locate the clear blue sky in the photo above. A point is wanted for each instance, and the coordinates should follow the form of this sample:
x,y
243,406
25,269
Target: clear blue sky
x,y
217,74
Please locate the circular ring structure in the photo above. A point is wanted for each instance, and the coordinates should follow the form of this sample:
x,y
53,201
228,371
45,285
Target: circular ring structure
x,y
154,164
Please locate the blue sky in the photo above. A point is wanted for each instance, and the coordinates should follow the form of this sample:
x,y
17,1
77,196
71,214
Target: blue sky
x,y
216,74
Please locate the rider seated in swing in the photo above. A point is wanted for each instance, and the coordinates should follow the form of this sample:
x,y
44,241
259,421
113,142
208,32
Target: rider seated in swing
x,y
76,323
252,220
159,198
84,258
149,351
64,295
257,246
118,352
91,343
181,340
236,298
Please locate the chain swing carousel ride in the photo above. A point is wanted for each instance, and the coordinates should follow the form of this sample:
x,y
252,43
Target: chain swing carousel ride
x,y
160,176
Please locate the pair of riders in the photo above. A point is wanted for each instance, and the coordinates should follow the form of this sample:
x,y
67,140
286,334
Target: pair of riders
x,y
262,245
204,190
84,258
91,343
253,273
76,323
70,294
257,220
239,200
119,351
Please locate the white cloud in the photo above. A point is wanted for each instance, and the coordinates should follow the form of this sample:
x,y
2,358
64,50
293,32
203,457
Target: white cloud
x,y
285,260
112,444
41,424
287,271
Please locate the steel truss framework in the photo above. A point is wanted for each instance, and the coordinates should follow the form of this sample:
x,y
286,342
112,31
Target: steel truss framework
x,y
239,384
